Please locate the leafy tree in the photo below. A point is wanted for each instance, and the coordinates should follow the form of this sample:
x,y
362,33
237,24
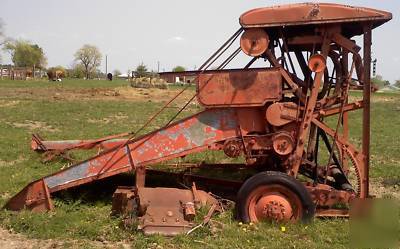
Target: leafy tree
x,y
380,82
141,70
1,32
178,69
25,54
76,71
116,72
397,83
89,57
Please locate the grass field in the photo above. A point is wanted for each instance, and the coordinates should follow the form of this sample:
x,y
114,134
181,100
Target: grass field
x,y
91,109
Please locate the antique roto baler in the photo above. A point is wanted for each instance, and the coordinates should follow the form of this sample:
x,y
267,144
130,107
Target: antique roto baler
x,y
275,117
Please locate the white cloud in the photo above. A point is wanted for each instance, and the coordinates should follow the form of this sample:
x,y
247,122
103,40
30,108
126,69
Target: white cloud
x,y
176,39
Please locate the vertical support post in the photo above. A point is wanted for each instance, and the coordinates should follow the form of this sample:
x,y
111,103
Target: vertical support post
x,y
367,103
140,176
345,121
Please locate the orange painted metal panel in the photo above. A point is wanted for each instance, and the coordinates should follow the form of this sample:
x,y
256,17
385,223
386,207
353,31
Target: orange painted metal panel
x,y
311,13
238,88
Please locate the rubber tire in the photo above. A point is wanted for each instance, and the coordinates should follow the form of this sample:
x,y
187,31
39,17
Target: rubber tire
x,y
273,177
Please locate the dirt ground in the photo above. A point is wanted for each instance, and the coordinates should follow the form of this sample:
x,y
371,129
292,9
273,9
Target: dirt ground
x,y
17,241
119,93
10,240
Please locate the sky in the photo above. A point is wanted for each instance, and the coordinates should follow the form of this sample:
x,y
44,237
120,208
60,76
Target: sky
x,y
173,32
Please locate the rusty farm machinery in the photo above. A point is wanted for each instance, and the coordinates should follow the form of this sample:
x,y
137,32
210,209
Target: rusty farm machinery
x,y
287,119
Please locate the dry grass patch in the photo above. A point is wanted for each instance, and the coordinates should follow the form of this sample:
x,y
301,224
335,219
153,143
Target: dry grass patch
x,y
8,103
34,126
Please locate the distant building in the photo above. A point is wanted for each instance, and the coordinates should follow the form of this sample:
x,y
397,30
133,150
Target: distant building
x,y
179,77
19,73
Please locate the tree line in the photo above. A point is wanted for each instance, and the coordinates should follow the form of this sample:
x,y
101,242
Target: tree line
x,y
87,60
86,63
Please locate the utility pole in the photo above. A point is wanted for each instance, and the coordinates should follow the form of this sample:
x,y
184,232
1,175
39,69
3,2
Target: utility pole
x,y
158,66
374,67
106,66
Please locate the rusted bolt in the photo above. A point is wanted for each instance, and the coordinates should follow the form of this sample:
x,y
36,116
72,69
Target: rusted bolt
x,y
189,211
170,213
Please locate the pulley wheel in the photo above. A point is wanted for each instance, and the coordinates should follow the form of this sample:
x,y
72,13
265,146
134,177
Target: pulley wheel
x,y
254,42
317,63
283,143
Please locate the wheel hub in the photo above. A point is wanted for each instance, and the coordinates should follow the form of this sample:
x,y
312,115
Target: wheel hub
x,y
274,207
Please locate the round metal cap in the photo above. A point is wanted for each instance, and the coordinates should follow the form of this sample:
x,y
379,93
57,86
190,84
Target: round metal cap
x,y
254,42
317,63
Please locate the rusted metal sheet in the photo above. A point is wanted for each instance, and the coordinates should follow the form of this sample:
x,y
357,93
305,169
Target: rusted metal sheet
x,y
124,201
190,135
41,145
312,13
170,211
35,197
253,87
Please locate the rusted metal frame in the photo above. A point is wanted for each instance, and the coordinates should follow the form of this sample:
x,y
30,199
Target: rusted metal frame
x,y
203,165
89,179
330,149
338,69
355,155
228,44
305,40
240,131
316,151
118,147
326,85
223,49
336,110
354,49
229,59
286,50
308,114
304,67
248,65
283,58
346,91
140,175
285,75
49,204
331,79
345,121
346,43
366,130
121,168
93,143
312,138
190,177
206,64
332,213
39,141
326,196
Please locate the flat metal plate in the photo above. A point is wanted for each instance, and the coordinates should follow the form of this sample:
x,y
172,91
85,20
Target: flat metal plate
x,y
239,88
311,13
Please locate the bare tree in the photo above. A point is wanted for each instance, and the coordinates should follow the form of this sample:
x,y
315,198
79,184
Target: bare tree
x,y
1,32
90,58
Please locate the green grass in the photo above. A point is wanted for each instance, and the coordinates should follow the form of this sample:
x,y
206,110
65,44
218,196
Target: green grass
x,y
85,219
69,83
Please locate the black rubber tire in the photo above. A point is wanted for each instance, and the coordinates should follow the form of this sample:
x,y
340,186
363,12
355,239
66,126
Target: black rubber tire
x,y
268,178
